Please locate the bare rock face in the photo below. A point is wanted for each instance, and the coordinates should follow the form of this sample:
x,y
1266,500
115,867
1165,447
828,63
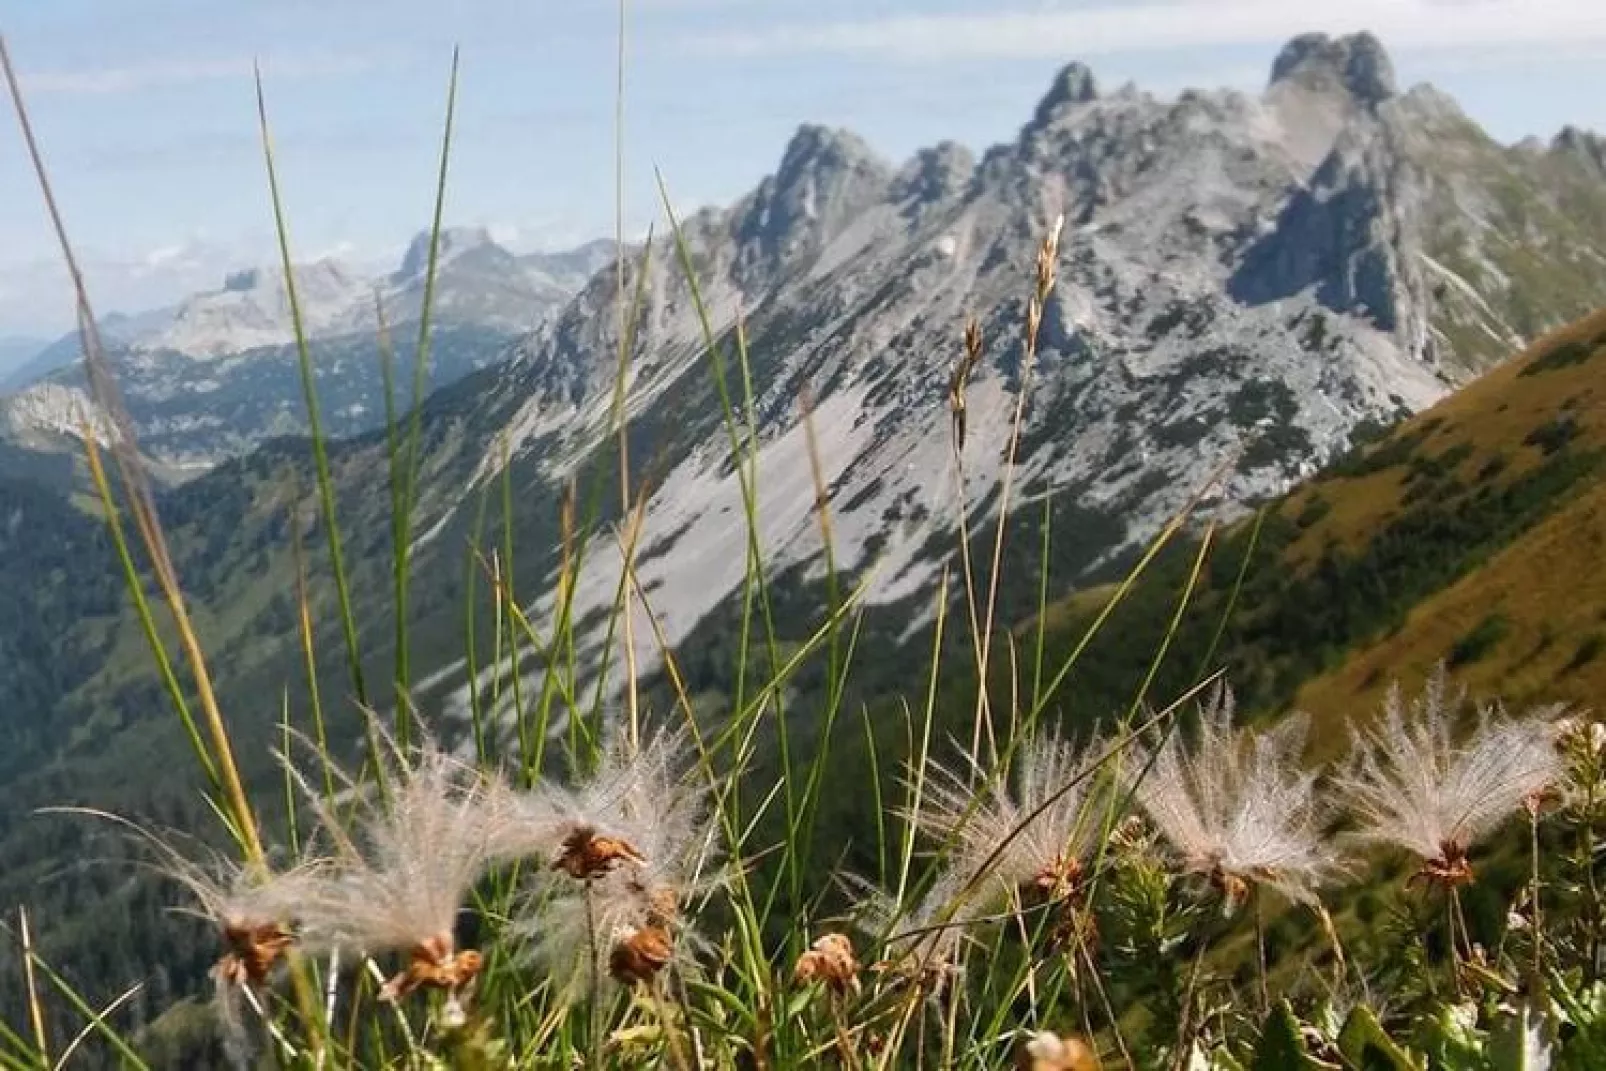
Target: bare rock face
x,y
1347,237
1357,65
1074,85
1582,146
934,175
826,178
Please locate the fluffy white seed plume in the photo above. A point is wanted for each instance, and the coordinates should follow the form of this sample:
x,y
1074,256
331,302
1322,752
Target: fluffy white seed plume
x,y
1237,807
628,849
403,866
922,944
1034,834
253,908
1414,785
1025,840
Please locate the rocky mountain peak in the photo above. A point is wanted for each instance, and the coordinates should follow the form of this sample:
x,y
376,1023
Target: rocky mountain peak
x,y
826,177
1582,145
934,174
1356,64
818,152
454,241
1073,85
242,280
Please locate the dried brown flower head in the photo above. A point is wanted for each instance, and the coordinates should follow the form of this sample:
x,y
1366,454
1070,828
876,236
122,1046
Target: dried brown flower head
x,y
639,953
1061,879
1047,1051
829,960
1047,262
1448,869
633,847
960,378
587,854
253,949
434,964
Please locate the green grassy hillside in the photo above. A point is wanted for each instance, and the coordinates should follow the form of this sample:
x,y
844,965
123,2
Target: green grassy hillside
x,y
1471,533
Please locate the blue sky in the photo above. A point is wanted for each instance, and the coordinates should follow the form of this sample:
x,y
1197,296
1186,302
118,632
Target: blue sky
x,y
147,119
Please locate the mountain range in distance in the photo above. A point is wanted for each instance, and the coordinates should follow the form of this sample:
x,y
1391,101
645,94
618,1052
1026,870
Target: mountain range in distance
x,y
216,374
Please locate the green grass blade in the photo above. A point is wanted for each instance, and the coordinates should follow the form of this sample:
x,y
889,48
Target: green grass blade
x,y
415,427
147,621
309,387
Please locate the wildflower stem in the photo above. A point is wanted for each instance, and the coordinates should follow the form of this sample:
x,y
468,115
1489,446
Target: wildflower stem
x,y
594,1010
671,1034
621,412
378,976
1260,951
844,1037
331,990
1104,998
36,1018
1047,256
1185,1024
272,1028
1538,927
1592,903
970,603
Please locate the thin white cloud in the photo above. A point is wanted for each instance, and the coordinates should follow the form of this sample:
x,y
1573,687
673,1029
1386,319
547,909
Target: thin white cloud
x,y
1171,24
176,71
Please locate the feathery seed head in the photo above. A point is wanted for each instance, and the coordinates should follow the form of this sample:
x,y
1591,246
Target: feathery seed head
x,y
1414,785
252,907
405,864
931,935
1236,807
1033,837
628,847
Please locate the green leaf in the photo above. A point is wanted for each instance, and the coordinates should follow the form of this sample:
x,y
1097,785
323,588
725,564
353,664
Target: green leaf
x,y
1218,1059
1281,1045
1452,1039
1523,1040
1364,1043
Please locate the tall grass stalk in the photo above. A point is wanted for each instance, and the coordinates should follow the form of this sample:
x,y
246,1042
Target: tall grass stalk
x,y
309,388
744,455
1042,289
36,1014
415,427
622,376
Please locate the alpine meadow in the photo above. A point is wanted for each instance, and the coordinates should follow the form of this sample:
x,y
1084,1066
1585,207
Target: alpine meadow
x,y
1131,597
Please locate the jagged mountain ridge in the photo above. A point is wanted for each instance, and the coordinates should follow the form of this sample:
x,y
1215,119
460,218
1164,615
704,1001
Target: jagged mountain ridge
x,y
218,374
1237,273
